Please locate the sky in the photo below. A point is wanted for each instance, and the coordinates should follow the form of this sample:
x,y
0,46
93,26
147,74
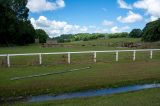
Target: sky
x,y
58,17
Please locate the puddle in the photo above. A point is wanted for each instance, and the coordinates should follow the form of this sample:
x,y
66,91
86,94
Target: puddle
x,y
92,93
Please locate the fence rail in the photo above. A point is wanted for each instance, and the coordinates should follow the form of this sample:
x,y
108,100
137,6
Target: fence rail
x,y
82,52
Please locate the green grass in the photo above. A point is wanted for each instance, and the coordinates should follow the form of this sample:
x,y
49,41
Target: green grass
x,y
149,97
20,61
105,73
101,44
99,76
106,41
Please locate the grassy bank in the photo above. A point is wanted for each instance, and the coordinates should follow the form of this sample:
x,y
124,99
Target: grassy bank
x,y
99,76
148,97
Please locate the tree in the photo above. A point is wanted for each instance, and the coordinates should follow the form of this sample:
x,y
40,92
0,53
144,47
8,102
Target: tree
x,y
15,28
41,35
118,35
151,32
135,33
26,34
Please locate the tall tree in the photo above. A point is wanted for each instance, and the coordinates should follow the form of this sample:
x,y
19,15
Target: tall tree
x,y
14,22
151,32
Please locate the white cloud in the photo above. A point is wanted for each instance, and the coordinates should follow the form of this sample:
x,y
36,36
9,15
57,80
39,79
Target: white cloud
x,y
107,23
60,3
114,29
117,29
124,5
44,5
152,7
56,28
130,18
153,18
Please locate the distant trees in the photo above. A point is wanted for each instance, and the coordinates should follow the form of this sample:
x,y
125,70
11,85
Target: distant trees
x,y
15,28
151,31
64,38
135,33
118,35
41,35
79,37
87,36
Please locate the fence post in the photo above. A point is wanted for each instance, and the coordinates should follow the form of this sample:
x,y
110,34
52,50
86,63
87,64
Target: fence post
x,y
134,55
8,60
69,58
40,58
151,54
95,56
117,55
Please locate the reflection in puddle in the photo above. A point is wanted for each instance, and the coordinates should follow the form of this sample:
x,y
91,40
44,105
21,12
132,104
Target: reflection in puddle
x,y
92,93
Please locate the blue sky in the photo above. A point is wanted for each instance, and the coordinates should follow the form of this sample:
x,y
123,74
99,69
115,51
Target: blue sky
x,y
58,17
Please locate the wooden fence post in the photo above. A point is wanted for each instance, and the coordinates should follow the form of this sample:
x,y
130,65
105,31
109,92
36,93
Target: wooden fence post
x,y
117,57
151,54
95,57
69,58
8,60
134,55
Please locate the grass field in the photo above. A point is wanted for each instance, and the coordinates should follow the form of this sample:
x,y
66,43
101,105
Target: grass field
x,y
101,45
77,46
148,97
99,76
105,73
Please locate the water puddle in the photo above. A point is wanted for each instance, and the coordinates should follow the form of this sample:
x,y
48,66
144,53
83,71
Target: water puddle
x,y
92,93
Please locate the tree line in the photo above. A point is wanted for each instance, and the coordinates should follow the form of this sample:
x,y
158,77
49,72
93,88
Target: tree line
x,y
15,27
78,37
150,33
87,36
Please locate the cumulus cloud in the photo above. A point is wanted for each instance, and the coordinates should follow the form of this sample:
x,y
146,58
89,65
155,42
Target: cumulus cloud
x,y
130,18
44,5
117,29
56,28
107,23
152,7
123,4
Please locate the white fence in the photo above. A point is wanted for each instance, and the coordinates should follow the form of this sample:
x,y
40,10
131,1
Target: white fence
x,y
69,54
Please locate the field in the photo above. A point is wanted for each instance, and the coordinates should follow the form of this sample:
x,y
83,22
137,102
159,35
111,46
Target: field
x,y
101,45
105,73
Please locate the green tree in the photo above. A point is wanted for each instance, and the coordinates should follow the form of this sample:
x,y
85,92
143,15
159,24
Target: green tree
x,y
135,33
118,35
41,35
14,23
151,32
26,34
